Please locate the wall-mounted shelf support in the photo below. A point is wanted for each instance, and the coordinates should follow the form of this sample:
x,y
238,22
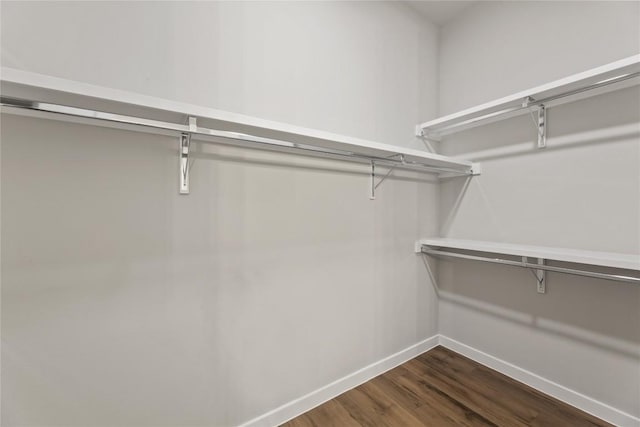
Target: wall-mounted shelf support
x,y
540,275
373,184
372,179
541,123
185,144
542,126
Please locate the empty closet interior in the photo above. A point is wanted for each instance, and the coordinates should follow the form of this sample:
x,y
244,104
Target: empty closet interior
x,y
320,213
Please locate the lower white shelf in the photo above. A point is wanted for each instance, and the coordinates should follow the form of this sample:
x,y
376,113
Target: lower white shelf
x,y
602,259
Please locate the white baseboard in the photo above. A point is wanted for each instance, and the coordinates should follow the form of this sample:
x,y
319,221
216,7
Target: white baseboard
x,y
571,397
309,401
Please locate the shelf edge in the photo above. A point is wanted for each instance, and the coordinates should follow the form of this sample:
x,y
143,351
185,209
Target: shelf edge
x,y
601,259
37,81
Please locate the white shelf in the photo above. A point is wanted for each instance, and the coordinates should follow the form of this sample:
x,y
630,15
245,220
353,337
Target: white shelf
x,y
38,87
602,259
510,106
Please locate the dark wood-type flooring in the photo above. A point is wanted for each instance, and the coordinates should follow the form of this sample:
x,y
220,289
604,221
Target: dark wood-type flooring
x,y
443,388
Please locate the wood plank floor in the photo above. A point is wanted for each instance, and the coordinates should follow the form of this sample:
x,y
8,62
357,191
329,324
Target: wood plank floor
x,y
443,388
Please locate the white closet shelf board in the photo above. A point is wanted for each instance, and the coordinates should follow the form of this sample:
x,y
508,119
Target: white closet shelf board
x,y
613,76
48,89
602,259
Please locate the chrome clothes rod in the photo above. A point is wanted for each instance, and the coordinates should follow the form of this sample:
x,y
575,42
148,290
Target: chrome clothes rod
x,y
533,266
214,136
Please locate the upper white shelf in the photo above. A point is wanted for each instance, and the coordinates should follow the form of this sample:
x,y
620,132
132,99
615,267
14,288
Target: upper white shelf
x,y
609,77
603,259
68,93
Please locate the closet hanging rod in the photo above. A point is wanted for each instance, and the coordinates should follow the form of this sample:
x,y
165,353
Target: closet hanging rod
x,y
203,134
534,266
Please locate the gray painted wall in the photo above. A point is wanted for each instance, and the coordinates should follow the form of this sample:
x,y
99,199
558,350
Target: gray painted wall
x,y
581,192
497,48
126,304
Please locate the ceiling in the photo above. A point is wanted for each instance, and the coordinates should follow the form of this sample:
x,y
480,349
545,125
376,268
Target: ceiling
x,y
439,12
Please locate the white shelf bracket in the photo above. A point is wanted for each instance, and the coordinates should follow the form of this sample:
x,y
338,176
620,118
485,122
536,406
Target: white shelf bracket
x,y
372,181
540,275
374,185
185,145
542,126
541,123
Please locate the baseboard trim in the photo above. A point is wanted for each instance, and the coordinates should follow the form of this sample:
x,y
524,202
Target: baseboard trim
x,y
309,401
571,397
317,397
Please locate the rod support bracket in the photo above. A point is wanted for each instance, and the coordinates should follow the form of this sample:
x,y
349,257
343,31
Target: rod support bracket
x,y
542,126
185,145
540,275
372,181
374,185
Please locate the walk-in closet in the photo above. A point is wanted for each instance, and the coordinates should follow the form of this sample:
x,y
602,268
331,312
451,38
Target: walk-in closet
x,y
319,213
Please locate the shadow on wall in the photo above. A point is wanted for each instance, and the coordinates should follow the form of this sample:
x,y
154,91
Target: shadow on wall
x,y
596,312
600,119
580,192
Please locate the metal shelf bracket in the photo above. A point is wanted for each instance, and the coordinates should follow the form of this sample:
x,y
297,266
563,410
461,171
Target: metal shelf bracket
x,y
373,185
185,146
542,126
540,275
372,181
185,143
541,123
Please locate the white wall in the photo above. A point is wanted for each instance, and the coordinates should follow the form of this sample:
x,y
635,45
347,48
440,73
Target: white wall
x,y
582,191
126,304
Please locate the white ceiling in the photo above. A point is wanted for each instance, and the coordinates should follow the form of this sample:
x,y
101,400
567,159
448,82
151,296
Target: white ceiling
x,y
439,12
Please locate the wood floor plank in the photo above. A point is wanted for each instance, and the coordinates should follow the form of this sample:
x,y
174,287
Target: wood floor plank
x,y
463,370
448,410
370,406
548,408
453,361
329,414
443,388
453,387
502,394
428,411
